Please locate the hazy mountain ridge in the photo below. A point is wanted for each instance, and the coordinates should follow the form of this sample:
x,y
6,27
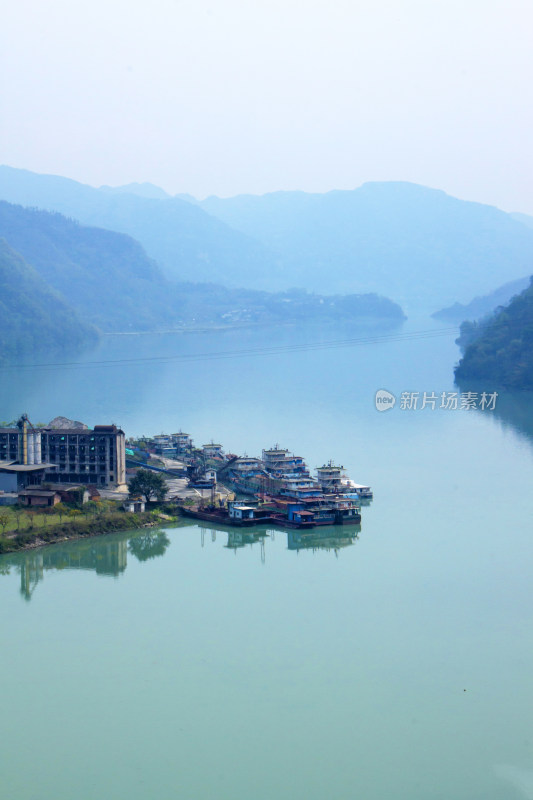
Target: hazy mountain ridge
x,y
500,349
187,242
108,278
105,276
525,219
480,306
418,245
145,189
33,318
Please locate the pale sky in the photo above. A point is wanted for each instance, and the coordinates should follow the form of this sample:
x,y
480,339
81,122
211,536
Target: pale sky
x,y
229,96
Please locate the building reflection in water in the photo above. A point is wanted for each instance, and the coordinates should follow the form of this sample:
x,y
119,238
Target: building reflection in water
x,y
100,556
108,555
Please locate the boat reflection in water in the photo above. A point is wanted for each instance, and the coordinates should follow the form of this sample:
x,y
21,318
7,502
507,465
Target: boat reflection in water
x,y
331,538
323,539
107,556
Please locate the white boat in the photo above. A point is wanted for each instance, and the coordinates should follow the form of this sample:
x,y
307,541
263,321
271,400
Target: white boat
x,y
360,489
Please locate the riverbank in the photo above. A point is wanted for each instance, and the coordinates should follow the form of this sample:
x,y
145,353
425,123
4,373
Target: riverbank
x,y
79,529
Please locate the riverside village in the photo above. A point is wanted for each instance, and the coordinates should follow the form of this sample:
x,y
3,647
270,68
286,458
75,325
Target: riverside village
x,y
65,480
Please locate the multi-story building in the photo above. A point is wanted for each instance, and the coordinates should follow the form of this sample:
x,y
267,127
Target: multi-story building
x,y
70,455
95,456
212,450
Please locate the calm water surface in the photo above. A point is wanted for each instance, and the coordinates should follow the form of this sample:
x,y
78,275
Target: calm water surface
x,y
184,663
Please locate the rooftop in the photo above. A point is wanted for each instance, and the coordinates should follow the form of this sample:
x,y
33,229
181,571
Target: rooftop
x,y
36,492
11,466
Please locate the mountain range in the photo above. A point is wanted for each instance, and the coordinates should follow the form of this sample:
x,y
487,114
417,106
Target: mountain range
x,y
417,245
60,277
187,242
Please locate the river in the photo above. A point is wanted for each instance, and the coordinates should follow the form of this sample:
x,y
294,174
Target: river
x,y
390,662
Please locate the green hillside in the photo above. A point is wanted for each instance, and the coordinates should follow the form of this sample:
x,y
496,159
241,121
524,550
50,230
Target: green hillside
x,y
500,349
108,278
33,318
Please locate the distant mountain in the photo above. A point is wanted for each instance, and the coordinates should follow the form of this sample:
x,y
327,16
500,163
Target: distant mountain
x,y
141,189
108,278
525,219
186,241
33,318
500,350
480,306
417,245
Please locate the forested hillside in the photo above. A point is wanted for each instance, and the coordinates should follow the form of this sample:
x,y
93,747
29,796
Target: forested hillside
x,y
110,281
500,349
33,319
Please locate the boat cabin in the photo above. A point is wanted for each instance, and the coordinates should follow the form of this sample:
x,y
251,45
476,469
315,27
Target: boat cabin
x,y
240,511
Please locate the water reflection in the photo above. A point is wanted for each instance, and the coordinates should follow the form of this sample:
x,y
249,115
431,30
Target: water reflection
x,y
325,539
108,555
149,544
329,538
103,557
513,410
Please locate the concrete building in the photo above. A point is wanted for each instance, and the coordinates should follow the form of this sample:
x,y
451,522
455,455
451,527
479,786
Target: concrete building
x,y
212,450
95,456
182,442
134,506
69,455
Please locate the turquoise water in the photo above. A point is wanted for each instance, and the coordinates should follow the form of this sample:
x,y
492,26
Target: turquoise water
x,y
391,662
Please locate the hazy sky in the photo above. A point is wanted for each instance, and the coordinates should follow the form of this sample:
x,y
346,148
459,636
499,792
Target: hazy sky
x,y
232,96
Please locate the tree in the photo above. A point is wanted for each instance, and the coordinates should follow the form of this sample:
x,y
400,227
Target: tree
x,y
148,545
4,520
151,484
18,512
46,512
61,510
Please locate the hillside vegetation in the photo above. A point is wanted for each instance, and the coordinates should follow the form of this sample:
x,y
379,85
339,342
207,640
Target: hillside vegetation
x,y
500,349
34,319
108,279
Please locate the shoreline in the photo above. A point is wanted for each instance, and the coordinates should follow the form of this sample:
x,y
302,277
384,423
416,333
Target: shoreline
x,y
73,531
